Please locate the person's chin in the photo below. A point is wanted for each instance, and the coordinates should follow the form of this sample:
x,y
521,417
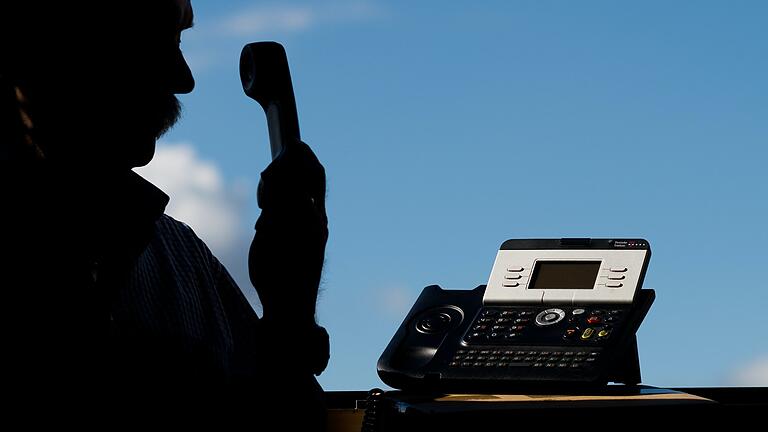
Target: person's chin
x,y
141,153
130,152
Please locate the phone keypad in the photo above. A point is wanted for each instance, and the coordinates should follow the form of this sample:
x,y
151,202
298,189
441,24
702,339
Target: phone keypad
x,y
577,326
547,359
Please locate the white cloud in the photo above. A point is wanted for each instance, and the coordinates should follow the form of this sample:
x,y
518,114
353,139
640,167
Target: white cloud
x,y
293,18
199,195
394,301
753,374
269,18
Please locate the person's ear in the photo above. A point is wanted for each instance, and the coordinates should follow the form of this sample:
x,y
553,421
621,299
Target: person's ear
x,y
11,127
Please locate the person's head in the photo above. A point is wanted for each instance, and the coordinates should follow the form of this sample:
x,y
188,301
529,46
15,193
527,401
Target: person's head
x,y
95,80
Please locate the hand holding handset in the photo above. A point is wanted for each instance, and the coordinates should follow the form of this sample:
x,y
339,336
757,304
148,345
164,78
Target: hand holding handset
x,y
266,78
291,195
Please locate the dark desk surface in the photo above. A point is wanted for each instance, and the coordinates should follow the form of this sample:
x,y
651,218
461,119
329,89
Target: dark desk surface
x,y
641,406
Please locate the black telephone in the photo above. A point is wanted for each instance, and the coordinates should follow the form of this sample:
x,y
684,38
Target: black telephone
x,y
556,313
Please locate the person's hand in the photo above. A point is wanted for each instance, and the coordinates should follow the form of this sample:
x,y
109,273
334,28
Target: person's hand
x,y
287,252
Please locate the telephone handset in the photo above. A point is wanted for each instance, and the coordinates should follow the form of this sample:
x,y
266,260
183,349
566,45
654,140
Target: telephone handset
x,y
555,313
266,78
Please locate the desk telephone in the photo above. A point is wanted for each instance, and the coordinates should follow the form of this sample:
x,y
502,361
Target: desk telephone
x,y
554,313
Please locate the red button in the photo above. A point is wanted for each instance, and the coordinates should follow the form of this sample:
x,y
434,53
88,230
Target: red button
x,y
594,320
570,332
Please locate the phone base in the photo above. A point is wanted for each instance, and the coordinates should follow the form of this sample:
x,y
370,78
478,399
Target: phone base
x,y
451,342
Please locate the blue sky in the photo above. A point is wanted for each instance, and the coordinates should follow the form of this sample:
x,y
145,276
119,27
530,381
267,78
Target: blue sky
x,y
446,128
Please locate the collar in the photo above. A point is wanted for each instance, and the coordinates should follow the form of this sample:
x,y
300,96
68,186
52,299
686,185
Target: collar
x,y
45,189
64,212
141,198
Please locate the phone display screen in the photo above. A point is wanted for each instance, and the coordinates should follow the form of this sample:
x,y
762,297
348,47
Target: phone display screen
x,y
564,275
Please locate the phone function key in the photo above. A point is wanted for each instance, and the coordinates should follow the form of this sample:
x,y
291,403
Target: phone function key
x,y
510,284
616,277
594,320
514,276
614,285
571,332
578,311
618,269
588,333
516,269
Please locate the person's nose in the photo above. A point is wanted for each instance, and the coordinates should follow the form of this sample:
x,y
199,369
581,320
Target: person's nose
x,y
183,81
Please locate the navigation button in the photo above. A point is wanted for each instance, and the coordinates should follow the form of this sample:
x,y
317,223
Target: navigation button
x,y
550,316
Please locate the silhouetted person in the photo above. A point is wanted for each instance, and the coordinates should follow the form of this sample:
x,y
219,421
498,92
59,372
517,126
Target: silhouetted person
x,y
107,301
